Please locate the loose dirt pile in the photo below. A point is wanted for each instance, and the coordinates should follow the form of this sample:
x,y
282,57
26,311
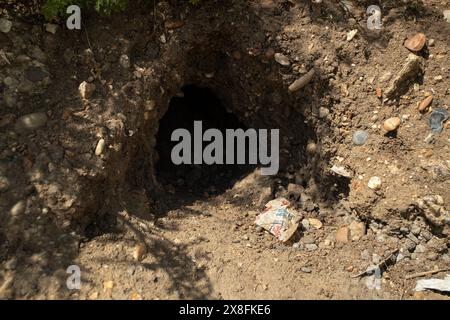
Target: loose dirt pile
x,y
85,176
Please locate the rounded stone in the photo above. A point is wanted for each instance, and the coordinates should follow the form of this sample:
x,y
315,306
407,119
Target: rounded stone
x,y
5,25
374,183
18,209
391,124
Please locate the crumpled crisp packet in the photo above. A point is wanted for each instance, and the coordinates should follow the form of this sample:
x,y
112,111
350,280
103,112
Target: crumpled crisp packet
x,y
278,219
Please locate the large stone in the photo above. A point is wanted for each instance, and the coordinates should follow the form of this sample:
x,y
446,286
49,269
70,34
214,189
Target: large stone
x,y
413,68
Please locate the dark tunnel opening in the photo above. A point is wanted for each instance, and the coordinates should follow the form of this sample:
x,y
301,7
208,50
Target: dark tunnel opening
x,y
196,104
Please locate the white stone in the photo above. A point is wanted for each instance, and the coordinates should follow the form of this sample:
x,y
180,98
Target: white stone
x,y
100,147
447,15
374,183
351,34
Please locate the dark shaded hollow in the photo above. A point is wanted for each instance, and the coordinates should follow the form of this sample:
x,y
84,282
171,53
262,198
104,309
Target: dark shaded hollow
x,y
197,104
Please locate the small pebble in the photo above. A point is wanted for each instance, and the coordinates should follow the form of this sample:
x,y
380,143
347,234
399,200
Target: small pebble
x,y
391,124
51,28
282,59
139,252
18,209
100,147
311,247
416,43
4,184
425,103
420,248
315,223
374,183
5,25
351,34
343,234
86,89
306,270
125,61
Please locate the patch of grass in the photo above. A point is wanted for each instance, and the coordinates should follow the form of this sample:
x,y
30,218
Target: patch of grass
x,y
55,8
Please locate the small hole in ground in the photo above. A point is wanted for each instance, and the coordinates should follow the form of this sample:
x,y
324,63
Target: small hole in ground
x,y
198,104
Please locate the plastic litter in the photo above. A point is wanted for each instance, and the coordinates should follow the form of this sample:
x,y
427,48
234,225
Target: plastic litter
x,y
279,219
437,119
360,137
442,285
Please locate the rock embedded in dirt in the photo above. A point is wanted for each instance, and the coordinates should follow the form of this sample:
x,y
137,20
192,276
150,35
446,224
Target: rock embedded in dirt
x,y
357,230
32,121
374,183
5,25
343,235
18,209
125,61
391,124
311,148
305,270
51,28
409,245
420,248
100,147
311,247
4,184
446,14
423,106
282,59
360,137
139,251
341,171
302,82
433,209
412,69
305,224
86,90
416,43
323,112
315,223
351,34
